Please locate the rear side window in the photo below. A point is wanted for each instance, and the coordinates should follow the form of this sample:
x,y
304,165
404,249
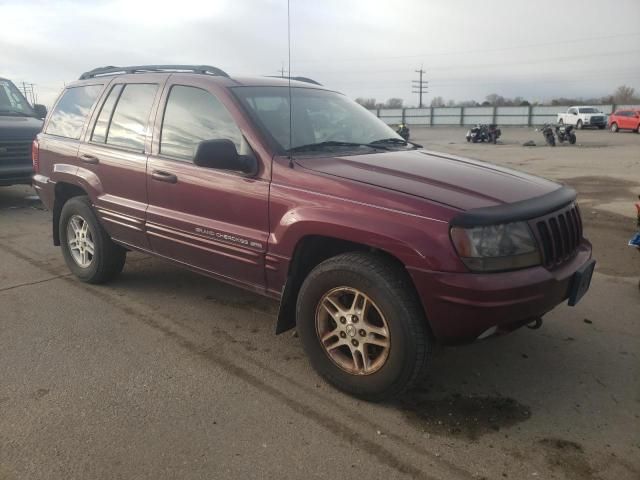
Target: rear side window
x,y
128,126
191,116
70,113
102,124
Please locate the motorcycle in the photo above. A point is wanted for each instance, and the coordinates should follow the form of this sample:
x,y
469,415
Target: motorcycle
x,y
565,133
549,137
403,131
484,133
494,133
477,134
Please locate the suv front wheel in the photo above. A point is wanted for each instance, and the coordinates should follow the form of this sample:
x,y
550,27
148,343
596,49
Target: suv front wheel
x,y
362,326
88,250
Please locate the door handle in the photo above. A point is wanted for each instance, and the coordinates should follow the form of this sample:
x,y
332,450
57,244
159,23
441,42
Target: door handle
x,y
86,158
164,176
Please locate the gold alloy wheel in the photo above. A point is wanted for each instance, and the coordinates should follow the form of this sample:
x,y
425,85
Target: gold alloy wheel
x,y
352,331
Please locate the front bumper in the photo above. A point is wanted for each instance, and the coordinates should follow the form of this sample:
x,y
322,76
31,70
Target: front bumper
x,y
460,307
15,174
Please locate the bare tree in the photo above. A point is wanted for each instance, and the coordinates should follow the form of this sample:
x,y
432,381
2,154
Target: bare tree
x,y
394,103
451,103
437,102
369,103
624,94
495,99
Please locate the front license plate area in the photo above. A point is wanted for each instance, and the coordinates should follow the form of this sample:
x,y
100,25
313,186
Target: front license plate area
x,y
581,281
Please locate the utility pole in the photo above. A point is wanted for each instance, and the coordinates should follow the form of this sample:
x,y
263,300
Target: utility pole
x,y
283,71
420,86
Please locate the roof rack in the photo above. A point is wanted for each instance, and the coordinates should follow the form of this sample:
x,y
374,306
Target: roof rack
x,y
111,70
299,79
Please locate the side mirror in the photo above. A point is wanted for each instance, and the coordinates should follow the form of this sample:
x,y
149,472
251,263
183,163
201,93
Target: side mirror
x,y
222,154
40,110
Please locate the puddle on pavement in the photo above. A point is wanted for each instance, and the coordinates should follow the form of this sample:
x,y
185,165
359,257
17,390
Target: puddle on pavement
x,y
462,415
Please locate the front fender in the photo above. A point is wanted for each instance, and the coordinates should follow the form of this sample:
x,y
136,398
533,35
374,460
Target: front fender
x,y
416,241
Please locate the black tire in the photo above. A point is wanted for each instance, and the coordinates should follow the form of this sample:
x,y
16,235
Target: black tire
x,y
389,287
572,139
560,122
614,127
579,125
108,258
551,141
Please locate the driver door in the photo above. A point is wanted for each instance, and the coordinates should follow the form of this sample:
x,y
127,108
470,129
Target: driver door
x,y
212,220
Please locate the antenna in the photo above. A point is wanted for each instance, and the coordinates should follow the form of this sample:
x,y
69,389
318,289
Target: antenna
x,y
289,77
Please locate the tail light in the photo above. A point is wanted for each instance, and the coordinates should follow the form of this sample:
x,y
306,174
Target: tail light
x,y
35,156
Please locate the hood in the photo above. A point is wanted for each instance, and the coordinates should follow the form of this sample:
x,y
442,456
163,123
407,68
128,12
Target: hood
x,y
19,128
439,177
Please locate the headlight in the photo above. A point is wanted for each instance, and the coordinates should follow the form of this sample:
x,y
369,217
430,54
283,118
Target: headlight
x,y
496,247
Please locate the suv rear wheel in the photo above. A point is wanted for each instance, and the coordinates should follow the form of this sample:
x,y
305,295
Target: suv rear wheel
x,y
87,249
362,326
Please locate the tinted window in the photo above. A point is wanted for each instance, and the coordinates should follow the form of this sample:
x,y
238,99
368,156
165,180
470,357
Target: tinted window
x,y
72,110
102,124
191,116
128,126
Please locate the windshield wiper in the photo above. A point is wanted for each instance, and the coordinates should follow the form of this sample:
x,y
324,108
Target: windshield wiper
x,y
334,143
395,141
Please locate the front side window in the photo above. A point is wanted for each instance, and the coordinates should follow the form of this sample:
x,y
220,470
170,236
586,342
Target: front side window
x,y
191,116
70,113
128,127
11,100
317,116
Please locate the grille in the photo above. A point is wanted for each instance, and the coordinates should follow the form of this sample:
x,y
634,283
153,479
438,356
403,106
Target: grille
x,y
597,119
15,152
559,234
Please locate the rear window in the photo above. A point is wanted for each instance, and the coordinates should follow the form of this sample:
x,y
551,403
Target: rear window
x,y
70,113
128,127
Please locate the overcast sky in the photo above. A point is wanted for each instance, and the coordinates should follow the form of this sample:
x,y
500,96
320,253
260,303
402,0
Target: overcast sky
x,y
535,49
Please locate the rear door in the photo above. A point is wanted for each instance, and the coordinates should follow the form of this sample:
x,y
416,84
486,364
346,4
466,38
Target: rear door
x,y
213,220
115,155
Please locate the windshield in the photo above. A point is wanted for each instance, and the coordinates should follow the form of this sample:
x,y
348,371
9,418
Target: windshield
x,y
319,116
589,110
11,100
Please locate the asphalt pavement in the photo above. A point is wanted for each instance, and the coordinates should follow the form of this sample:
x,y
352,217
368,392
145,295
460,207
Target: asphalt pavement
x,y
166,374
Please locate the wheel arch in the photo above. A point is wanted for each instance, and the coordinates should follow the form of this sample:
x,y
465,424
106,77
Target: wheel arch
x,y
63,192
310,251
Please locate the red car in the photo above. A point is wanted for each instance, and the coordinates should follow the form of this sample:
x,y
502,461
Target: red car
x,y
625,120
375,247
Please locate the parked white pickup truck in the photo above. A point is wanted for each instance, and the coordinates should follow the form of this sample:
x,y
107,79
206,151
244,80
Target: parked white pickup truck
x,y
582,116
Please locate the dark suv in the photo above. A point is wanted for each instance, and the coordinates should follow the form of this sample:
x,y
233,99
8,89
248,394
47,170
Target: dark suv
x,y
19,124
375,247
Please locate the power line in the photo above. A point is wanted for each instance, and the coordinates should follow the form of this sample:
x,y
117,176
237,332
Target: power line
x,y
490,65
462,52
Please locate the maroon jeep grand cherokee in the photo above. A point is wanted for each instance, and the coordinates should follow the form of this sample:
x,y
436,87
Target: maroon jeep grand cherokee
x,y
375,247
